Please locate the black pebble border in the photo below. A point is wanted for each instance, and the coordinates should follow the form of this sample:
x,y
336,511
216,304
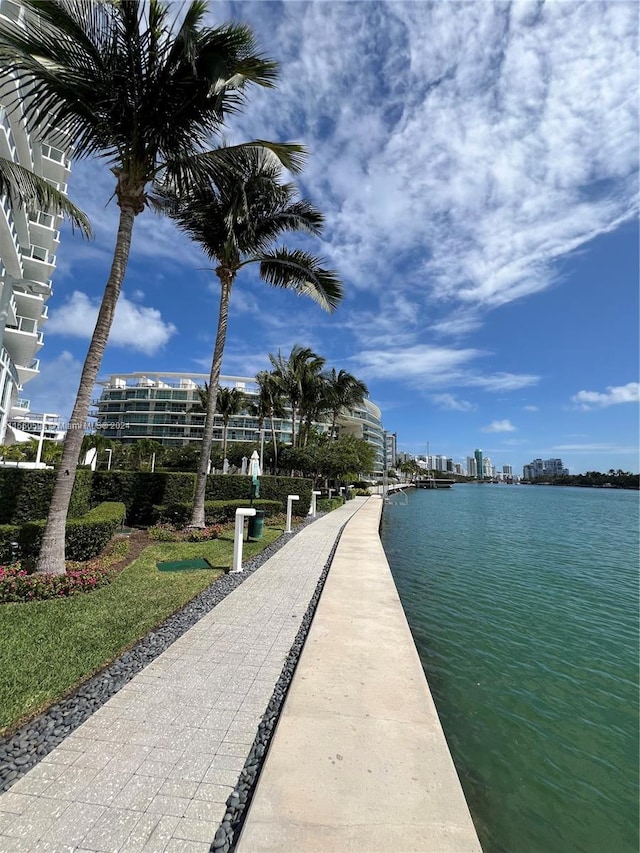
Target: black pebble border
x,y
228,833
23,749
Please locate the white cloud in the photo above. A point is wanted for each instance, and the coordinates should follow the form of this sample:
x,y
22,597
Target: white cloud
x,y
500,426
499,149
594,448
134,326
587,400
451,403
530,408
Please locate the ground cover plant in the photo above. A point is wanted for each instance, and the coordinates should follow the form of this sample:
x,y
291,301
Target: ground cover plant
x,y
49,647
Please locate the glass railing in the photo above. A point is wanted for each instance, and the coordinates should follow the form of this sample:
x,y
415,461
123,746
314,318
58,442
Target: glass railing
x,y
6,206
4,122
24,324
56,155
39,253
7,361
39,217
12,10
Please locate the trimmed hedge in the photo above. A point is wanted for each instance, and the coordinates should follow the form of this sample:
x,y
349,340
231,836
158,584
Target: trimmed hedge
x,y
85,537
328,504
215,512
25,494
140,491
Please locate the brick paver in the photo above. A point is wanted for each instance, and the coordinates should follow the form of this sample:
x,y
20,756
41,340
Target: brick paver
x,y
150,771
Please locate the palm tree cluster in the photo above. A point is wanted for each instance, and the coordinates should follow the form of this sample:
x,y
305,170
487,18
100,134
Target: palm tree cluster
x,y
298,382
149,95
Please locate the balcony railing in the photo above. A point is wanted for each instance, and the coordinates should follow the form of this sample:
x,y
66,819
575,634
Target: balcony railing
x,y
56,155
39,217
13,11
39,253
4,203
6,125
24,324
22,404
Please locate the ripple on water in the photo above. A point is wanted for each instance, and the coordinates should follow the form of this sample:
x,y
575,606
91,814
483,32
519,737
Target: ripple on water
x,y
523,604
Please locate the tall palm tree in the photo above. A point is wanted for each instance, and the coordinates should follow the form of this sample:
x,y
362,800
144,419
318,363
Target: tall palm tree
x,y
269,404
314,404
236,221
289,374
229,402
344,391
145,96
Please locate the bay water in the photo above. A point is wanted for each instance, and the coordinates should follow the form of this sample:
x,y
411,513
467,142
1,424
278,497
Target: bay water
x,y
523,602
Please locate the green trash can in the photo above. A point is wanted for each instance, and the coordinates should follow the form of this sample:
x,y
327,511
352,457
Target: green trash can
x,y
256,525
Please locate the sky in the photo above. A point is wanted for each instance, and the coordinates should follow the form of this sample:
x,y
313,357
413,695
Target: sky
x,y
477,165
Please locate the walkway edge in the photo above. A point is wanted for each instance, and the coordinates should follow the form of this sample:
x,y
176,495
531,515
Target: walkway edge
x,y
359,761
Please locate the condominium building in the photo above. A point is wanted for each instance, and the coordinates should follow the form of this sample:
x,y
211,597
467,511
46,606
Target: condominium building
x,y
165,407
472,466
28,243
479,464
544,468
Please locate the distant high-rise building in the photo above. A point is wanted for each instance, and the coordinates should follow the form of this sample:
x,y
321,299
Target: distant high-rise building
x,y
479,464
507,470
472,466
544,468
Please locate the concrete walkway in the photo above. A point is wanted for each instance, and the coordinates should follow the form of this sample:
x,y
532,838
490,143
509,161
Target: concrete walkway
x,y
150,772
359,762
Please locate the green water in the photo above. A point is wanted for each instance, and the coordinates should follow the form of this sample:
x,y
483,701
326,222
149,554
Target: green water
x,y
523,603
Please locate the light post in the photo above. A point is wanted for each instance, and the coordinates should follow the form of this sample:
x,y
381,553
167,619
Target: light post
x,y
290,499
260,432
41,437
110,452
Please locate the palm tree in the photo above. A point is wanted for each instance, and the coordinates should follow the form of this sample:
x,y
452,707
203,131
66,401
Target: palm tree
x,y
146,97
269,404
344,391
289,374
229,402
314,404
236,221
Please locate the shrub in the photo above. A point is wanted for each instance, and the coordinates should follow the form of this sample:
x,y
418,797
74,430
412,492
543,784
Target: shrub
x,y
85,537
163,533
25,494
17,584
328,504
203,534
216,512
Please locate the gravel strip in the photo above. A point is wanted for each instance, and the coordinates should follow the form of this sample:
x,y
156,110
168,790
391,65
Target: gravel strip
x,y
228,833
23,749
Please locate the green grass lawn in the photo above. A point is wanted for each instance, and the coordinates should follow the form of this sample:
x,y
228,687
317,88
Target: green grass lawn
x,y
49,647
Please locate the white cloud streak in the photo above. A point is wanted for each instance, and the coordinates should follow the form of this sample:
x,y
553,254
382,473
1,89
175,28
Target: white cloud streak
x,y
500,426
613,396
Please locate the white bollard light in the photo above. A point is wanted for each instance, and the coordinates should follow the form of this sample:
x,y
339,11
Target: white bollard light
x,y
341,491
330,493
241,514
290,500
312,508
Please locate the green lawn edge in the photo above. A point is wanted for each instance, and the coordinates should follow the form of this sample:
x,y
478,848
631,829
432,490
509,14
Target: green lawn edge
x,y
48,648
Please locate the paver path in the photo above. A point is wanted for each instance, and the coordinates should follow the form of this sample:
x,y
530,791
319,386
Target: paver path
x,y
150,771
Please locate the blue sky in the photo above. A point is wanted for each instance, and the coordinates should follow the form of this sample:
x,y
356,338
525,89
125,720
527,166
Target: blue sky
x,y
477,164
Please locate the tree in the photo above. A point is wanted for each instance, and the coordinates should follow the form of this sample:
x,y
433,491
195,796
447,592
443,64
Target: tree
x,y
269,404
146,97
229,402
235,220
344,391
290,374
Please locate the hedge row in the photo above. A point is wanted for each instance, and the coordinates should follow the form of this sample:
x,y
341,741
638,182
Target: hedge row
x,y
215,512
25,494
85,536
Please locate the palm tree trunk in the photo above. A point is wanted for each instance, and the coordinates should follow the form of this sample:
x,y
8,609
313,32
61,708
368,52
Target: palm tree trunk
x,y
52,554
225,427
275,442
197,515
293,426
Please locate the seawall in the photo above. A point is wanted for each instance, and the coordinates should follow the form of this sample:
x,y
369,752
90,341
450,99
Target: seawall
x,y
359,761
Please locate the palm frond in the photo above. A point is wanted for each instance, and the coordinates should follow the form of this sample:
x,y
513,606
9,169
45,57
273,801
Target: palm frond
x,y
30,190
304,274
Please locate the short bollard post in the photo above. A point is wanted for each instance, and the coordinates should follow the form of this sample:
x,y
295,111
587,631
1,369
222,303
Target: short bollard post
x,y
331,491
341,491
241,514
290,500
312,508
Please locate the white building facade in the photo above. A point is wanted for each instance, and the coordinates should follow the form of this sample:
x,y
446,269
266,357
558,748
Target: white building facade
x,y
28,243
164,407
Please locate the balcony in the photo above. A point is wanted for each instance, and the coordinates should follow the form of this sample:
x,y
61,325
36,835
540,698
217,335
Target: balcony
x,y
22,339
38,262
55,164
7,142
29,304
28,371
9,242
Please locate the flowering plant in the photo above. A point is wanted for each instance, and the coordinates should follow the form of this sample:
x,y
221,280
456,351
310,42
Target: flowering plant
x,y
18,584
